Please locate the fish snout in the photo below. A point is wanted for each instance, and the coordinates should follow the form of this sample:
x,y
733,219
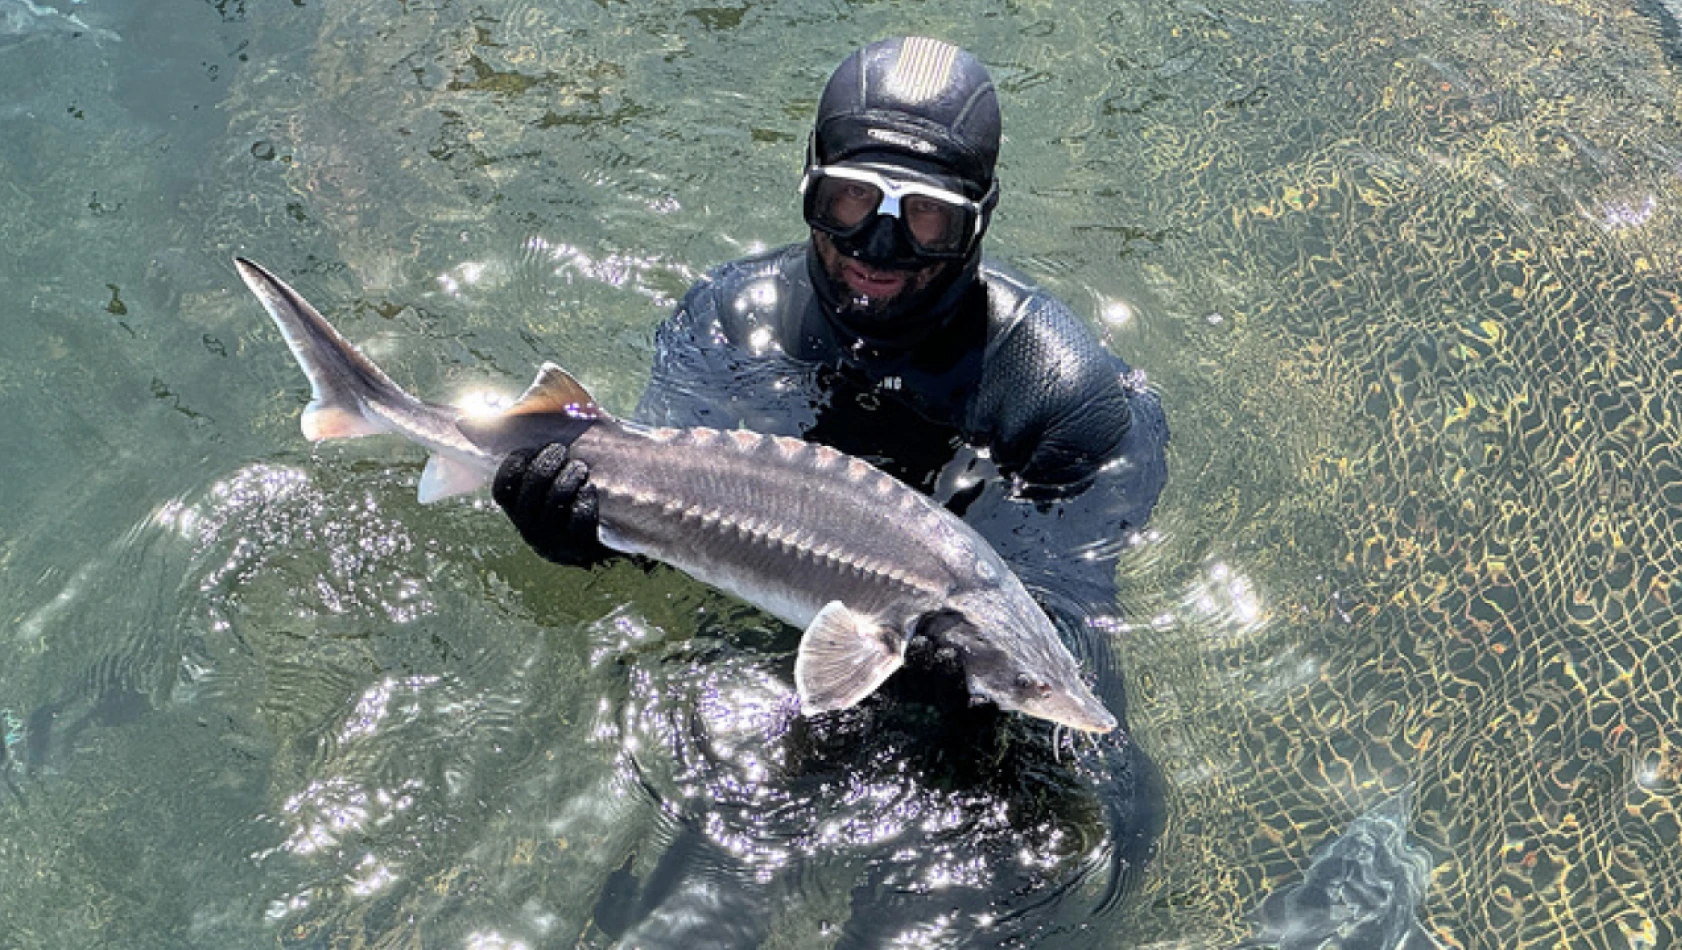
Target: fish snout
x,y
1075,707
1096,719
1066,702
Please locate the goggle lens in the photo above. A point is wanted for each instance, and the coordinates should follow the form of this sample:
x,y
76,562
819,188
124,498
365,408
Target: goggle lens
x,y
842,201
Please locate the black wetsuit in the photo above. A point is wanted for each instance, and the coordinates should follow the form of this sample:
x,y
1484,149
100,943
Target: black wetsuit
x,y
1012,413
1014,416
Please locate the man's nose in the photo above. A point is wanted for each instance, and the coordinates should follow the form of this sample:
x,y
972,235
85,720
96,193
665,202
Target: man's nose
x,y
884,242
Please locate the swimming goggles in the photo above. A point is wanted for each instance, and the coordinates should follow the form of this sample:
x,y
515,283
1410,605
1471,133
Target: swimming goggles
x,y
844,200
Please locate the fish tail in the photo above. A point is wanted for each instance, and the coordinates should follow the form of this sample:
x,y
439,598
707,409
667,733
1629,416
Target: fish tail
x,y
343,382
352,397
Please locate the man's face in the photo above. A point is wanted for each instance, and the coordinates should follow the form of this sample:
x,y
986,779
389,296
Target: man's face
x,y
873,290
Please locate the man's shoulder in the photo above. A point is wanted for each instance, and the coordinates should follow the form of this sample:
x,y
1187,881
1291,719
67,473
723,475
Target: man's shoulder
x,y
771,262
1054,400
733,298
1020,311
996,273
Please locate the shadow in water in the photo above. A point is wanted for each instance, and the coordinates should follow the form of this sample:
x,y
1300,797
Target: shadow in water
x,y
1361,892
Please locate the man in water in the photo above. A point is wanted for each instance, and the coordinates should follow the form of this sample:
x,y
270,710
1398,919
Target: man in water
x,y
888,336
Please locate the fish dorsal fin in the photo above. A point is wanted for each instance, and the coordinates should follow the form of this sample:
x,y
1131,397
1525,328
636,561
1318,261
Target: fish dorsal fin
x,y
554,390
554,408
843,657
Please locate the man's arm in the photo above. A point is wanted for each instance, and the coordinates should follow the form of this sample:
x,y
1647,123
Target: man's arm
x,y
1080,444
1053,404
1064,541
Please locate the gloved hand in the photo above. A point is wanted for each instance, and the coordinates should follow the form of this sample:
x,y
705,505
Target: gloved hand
x,y
549,499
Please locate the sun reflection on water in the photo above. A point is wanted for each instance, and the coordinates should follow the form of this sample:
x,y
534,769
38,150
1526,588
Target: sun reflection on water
x,y
330,810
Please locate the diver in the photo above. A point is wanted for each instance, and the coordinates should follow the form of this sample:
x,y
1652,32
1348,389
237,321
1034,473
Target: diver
x,y
886,334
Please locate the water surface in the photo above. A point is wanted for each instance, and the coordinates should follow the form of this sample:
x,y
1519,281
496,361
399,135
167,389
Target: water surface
x,y
1400,636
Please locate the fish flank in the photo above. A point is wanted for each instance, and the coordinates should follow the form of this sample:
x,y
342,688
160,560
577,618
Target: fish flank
x,y
771,536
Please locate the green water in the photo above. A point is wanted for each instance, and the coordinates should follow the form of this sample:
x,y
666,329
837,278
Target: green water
x,y
1404,273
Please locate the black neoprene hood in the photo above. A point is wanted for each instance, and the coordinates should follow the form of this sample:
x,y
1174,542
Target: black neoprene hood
x,y
914,102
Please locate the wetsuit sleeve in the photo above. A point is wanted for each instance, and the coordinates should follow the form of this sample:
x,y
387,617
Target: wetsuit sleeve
x,y
1065,547
1053,405
1082,445
692,359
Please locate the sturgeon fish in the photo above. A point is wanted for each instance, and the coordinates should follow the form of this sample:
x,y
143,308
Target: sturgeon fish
x,y
823,541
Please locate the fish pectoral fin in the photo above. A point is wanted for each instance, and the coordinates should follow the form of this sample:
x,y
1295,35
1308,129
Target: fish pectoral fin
x,y
843,657
445,477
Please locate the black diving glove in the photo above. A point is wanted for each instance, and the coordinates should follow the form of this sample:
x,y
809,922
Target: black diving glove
x,y
549,499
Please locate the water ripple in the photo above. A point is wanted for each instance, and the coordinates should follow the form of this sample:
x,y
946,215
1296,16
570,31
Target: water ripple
x,y
940,807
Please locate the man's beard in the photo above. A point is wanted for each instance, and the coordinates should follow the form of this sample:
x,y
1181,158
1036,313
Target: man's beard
x,y
869,313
